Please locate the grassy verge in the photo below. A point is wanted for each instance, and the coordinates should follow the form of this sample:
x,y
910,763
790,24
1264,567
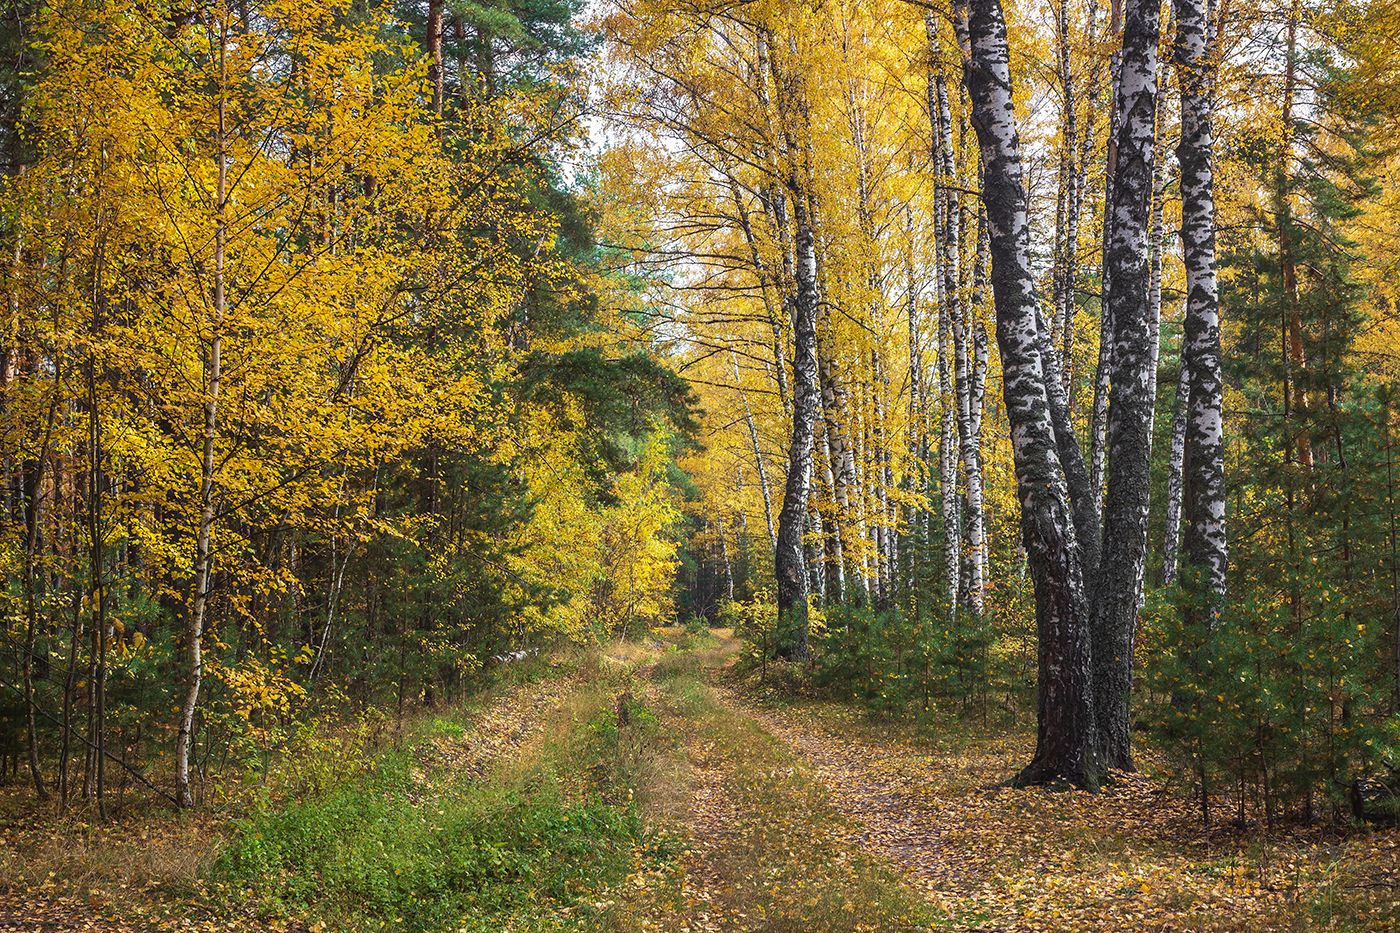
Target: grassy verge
x,y
514,811
550,837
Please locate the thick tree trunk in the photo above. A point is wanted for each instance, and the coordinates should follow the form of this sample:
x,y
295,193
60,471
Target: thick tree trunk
x,y
1206,550
1118,584
1065,735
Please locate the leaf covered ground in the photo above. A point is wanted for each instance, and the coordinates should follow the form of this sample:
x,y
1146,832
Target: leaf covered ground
x,y
650,788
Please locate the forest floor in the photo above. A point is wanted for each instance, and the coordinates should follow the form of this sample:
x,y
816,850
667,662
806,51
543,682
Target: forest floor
x,y
651,787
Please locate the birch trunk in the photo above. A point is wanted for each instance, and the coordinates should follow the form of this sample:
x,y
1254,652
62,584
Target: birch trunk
x,y
1098,419
792,518
918,406
836,557
1067,200
948,211
1118,585
948,458
1176,465
1206,548
759,464
204,560
1065,709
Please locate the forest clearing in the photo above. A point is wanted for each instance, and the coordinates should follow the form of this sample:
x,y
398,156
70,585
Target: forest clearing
x,y
510,465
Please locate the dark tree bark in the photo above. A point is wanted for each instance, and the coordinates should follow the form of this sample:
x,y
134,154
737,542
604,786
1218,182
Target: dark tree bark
x,y
1118,584
435,71
1065,750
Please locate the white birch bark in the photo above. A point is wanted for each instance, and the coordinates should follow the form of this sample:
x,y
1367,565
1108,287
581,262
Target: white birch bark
x,y
1171,541
1206,544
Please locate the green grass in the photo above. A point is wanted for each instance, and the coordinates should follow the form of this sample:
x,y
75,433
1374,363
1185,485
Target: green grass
x,y
545,842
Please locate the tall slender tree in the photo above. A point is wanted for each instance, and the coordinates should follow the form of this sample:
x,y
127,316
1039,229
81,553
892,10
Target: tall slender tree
x,y
1206,545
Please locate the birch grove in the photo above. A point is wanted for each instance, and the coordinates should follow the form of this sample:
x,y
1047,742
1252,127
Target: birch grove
x,y
964,493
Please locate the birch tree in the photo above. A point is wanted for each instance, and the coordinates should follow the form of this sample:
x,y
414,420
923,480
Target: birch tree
x,y
1118,585
1065,736
806,389
1206,546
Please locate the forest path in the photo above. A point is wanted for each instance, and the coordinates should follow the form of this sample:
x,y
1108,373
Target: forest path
x,y
879,786
763,847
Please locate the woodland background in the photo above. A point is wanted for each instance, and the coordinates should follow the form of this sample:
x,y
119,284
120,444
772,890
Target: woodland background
x,y
355,350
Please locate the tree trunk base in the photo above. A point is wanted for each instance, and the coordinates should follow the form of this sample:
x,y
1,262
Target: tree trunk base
x,y
1040,773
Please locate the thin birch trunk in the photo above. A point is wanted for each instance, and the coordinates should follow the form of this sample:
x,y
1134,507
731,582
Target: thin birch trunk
x,y
213,365
759,464
1176,466
1067,200
1098,420
1206,547
915,514
955,314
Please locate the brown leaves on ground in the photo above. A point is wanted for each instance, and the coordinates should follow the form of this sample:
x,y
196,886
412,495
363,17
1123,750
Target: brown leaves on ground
x,y
1132,857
